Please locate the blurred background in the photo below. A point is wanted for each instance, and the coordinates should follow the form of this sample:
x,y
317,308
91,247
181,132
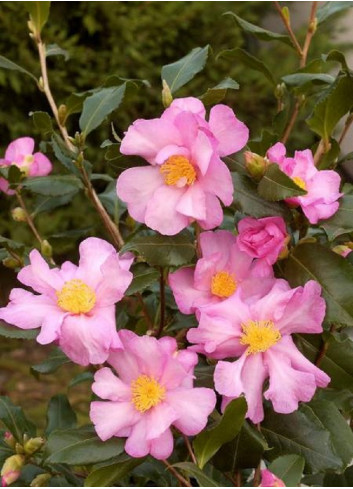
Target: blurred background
x,y
130,40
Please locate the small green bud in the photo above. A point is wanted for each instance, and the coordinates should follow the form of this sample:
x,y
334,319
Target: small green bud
x,y
167,97
18,214
9,439
255,164
19,448
286,15
11,262
62,113
41,84
46,248
280,90
41,480
33,445
11,470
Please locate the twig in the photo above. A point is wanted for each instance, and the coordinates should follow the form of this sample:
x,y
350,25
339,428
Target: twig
x,y
190,450
197,236
347,125
238,479
291,122
176,474
257,474
162,303
309,34
289,29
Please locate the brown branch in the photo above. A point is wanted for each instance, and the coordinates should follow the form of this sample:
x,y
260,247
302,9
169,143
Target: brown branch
x,y
347,125
291,122
176,474
190,450
289,29
309,34
144,311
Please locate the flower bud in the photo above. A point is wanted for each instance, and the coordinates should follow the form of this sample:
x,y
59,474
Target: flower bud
x,y
342,250
33,444
255,164
9,439
11,470
18,214
46,248
62,112
167,97
41,480
11,262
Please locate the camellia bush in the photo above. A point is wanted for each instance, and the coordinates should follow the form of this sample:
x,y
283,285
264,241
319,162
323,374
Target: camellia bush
x,y
213,315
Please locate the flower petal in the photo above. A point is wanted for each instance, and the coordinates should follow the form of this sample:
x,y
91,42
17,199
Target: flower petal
x,y
192,202
161,448
111,417
187,297
107,386
232,134
137,444
18,149
214,213
40,277
41,166
218,181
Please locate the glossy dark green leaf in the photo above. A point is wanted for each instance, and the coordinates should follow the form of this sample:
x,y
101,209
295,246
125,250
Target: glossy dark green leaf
x,y
74,102
298,79
14,420
276,185
216,94
289,468
207,443
339,480
42,122
39,12
144,276
12,332
259,32
44,203
249,60
99,105
192,470
300,433
80,378
64,155
328,9
10,65
60,415
338,56
111,202
80,447
342,221
164,251
180,72
55,359
55,50
311,261
106,476
53,185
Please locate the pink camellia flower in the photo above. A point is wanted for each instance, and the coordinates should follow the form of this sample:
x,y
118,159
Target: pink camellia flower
x,y
218,274
186,177
76,304
263,238
259,333
20,153
322,187
154,391
270,480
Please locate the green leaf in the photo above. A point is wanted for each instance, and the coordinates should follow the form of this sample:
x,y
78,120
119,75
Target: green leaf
x,y
328,9
276,185
53,185
39,12
216,94
342,221
82,377
310,261
55,360
14,420
338,56
10,65
99,105
341,433
42,122
55,50
250,61
144,276
111,202
60,415
298,79
259,32
245,451
193,471
106,476
208,442
248,201
335,102
164,251
342,480
300,433
180,72
289,468
13,332
45,204
64,155
80,447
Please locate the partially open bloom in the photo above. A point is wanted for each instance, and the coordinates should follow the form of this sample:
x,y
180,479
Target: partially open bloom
x,y
218,274
154,390
75,305
322,187
268,479
263,238
20,153
186,177
259,333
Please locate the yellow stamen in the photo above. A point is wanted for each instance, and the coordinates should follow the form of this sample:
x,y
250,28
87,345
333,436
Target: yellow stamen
x,y
223,284
76,297
300,182
259,335
177,170
146,393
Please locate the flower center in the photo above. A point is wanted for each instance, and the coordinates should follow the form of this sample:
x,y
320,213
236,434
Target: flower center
x,y
146,393
76,297
300,182
177,170
223,284
259,335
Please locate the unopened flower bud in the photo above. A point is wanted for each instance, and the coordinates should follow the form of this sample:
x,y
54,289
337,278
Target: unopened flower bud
x,y
18,214
342,250
62,112
286,15
41,480
280,90
167,97
11,470
255,164
41,84
9,439
11,262
33,444
46,248
19,448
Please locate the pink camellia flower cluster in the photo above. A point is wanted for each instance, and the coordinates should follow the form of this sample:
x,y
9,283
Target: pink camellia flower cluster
x,y
186,177
322,187
20,153
268,479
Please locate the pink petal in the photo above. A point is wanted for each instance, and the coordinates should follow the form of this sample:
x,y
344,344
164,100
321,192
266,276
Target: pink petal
x,y
113,283
161,214
272,305
161,448
193,407
4,187
51,326
318,211
304,164
41,166
276,153
216,242
214,213
270,480
125,363
192,202
126,260
228,377
39,276
205,269
218,181
137,444
189,104
202,151
107,386
94,252
159,419
149,356
232,134
171,150
111,417
18,149
186,123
